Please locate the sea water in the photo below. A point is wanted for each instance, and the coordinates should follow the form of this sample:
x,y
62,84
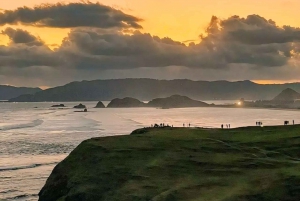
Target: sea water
x,y
34,137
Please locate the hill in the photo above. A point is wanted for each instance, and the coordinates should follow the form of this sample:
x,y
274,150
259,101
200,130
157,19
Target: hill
x,y
8,92
287,95
163,164
148,89
176,101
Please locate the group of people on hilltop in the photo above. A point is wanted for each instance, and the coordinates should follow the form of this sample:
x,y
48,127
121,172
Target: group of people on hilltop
x,y
188,125
161,125
227,126
259,123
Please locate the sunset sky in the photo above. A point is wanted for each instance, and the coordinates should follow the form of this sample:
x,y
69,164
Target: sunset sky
x,y
260,43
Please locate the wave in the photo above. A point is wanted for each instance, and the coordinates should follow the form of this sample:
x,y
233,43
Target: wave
x,y
32,124
3,169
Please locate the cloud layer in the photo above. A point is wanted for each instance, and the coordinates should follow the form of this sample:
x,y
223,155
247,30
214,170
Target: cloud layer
x,y
234,48
69,16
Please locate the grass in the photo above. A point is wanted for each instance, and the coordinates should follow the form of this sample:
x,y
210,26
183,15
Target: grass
x,y
169,164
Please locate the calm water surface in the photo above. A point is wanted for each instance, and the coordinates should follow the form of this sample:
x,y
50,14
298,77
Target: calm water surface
x,y
35,137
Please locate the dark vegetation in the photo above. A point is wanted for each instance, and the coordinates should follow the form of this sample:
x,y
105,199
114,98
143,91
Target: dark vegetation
x,y
169,164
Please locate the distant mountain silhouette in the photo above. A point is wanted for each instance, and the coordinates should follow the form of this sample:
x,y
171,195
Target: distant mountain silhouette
x,y
148,89
8,92
176,101
287,95
125,103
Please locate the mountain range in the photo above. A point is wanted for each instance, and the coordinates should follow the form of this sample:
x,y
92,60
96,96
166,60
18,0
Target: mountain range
x,y
147,89
8,92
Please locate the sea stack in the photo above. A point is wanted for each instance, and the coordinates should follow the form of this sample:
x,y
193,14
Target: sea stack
x,y
100,105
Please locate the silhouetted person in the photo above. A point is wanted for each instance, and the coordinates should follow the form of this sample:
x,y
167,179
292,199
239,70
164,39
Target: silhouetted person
x,y
189,125
293,122
222,126
183,125
229,125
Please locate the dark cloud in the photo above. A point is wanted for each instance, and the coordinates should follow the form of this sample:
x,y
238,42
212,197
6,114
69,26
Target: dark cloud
x,y
24,51
225,43
233,48
19,36
257,30
69,16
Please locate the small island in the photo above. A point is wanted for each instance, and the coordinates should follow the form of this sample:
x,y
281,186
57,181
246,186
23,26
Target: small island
x,y
80,106
249,164
126,103
100,105
176,101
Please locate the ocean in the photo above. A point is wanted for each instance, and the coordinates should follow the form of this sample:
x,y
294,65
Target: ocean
x,y
34,137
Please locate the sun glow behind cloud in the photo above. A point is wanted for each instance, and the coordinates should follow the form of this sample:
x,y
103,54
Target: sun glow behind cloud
x,y
180,20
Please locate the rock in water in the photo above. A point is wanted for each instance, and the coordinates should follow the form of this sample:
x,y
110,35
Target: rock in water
x,y
80,106
100,105
60,105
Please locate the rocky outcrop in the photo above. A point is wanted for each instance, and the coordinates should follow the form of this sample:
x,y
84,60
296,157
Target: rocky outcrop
x,y
176,101
100,105
80,106
125,103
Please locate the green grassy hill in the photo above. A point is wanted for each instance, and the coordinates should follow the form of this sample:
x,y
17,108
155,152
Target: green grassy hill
x,y
170,164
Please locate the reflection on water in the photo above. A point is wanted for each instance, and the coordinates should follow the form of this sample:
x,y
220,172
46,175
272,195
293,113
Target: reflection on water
x,y
34,137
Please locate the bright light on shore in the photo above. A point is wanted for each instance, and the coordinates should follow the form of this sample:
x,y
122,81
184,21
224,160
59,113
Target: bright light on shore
x,y
239,103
